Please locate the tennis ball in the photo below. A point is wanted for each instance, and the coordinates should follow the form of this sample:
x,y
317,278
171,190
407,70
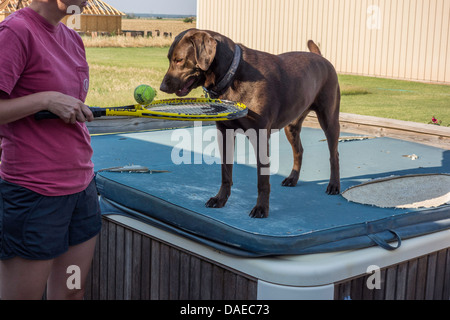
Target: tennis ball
x,y
144,94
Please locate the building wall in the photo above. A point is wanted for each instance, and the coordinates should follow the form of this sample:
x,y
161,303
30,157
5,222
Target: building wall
x,y
403,39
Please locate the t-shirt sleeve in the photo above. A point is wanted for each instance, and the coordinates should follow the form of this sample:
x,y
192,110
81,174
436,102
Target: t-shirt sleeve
x,y
12,59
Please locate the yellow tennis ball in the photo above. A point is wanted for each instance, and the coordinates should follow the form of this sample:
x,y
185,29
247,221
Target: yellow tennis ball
x,y
144,94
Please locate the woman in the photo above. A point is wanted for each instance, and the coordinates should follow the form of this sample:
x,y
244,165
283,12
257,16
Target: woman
x,y
49,213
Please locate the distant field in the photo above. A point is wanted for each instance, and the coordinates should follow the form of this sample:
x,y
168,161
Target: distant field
x,y
115,72
171,26
174,26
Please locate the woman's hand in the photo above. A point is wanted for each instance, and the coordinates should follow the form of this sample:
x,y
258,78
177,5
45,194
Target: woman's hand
x,y
69,109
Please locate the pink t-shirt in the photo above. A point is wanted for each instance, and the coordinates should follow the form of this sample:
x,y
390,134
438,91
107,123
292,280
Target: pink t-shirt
x,y
49,157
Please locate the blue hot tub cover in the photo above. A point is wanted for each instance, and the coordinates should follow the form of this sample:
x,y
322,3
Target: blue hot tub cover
x,y
302,220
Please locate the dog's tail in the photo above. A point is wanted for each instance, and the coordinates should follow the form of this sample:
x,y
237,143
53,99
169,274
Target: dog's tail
x,y
314,48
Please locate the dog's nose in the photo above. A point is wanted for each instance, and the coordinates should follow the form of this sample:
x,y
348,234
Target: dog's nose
x,y
167,85
164,87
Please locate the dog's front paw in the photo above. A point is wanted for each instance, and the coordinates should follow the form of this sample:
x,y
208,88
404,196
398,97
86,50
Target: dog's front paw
x,y
259,212
216,202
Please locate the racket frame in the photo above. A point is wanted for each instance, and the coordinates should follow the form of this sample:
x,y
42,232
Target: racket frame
x,y
144,111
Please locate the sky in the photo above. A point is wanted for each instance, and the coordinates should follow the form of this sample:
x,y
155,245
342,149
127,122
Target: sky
x,y
182,7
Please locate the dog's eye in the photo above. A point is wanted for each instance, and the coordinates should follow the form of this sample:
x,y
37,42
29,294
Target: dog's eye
x,y
178,60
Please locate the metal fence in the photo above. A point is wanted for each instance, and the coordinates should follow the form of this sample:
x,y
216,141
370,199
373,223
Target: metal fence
x,y
402,39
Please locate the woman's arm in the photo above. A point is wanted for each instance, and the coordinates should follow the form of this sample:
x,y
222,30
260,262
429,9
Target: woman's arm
x,y
69,109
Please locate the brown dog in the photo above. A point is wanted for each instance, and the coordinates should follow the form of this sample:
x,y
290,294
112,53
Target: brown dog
x,y
279,90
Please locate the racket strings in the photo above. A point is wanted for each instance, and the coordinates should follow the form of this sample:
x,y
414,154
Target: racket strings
x,y
196,108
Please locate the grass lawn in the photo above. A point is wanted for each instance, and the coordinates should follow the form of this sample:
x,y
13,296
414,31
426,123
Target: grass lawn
x,y
115,72
402,100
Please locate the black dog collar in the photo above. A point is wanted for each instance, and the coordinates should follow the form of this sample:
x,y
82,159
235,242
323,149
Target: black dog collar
x,y
226,81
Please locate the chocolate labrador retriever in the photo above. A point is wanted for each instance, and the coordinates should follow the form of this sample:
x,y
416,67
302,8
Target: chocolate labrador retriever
x,y
279,90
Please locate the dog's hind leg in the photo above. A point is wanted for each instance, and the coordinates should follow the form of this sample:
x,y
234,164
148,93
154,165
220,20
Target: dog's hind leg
x,y
261,147
293,135
328,115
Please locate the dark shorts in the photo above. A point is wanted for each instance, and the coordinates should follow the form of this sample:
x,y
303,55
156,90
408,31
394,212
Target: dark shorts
x,y
36,227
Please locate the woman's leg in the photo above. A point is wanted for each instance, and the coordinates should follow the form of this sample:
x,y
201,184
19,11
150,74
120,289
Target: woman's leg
x,y
79,256
22,279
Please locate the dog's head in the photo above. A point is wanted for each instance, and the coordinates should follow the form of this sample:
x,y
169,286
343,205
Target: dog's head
x,y
190,57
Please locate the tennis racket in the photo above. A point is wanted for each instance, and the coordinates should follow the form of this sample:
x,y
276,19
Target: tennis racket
x,y
186,109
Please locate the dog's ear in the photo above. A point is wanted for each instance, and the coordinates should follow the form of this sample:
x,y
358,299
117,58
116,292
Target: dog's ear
x,y
205,49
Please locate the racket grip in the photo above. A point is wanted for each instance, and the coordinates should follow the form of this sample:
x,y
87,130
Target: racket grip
x,y
42,115
46,115
98,112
